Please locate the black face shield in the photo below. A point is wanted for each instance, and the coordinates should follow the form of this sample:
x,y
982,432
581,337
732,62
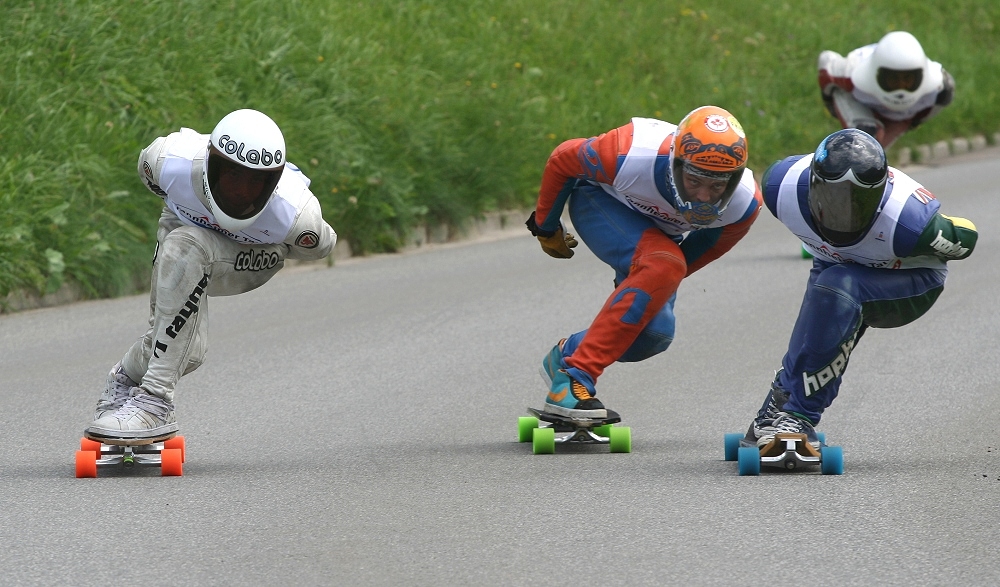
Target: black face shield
x,y
846,182
241,192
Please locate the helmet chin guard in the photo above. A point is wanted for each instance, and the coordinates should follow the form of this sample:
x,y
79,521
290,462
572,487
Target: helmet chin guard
x,y
244,162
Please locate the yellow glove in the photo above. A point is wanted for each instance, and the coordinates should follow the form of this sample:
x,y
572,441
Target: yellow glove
x,y
556,244
559,245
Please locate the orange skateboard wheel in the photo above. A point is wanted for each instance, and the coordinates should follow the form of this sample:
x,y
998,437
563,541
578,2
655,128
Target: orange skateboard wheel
x,y
86,463
171,462
91,445
177,442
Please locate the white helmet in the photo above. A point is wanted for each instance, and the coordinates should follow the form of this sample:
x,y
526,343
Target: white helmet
x,y
246,156
897,72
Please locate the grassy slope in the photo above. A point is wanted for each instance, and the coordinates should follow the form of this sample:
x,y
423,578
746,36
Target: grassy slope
x,y
405,110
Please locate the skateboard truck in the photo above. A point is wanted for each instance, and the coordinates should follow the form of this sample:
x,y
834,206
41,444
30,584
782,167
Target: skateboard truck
x,y
582,435
544,430
789,451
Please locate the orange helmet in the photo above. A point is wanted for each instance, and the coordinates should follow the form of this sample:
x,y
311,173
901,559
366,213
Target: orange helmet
x,y
709,146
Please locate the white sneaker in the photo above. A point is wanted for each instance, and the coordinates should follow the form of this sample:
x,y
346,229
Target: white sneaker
x,y
116,392
142,416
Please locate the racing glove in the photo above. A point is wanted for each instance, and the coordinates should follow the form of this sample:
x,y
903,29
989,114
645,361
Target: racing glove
x,y
556,243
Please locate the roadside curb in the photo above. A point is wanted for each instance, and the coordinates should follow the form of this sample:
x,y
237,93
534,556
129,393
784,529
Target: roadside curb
x,y
487,226
923,154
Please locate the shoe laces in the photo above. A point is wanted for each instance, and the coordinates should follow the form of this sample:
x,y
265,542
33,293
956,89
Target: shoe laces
x,y
118,395
120,386
786,423
771,412
580,391
144,402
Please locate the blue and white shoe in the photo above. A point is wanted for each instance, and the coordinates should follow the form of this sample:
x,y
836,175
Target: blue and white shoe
x,y
763,424
789,423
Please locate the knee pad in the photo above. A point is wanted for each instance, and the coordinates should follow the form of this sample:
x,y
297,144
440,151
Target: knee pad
x,y
183,243
833,318
654,338
647,344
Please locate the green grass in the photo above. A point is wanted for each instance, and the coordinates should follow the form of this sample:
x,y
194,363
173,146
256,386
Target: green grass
x,y
405,111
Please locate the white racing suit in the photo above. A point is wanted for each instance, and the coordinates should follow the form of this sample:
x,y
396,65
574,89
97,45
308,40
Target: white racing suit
x,y
851,94
195,258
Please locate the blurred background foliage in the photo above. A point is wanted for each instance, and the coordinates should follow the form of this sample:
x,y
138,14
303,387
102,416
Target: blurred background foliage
x,y
406,111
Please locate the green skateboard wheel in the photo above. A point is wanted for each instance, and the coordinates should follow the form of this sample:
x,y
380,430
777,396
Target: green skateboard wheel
x,y
620,439
543,441
525,426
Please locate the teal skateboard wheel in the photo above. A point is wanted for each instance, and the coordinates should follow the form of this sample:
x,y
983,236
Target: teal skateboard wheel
x,y
748,460
831,460
732,445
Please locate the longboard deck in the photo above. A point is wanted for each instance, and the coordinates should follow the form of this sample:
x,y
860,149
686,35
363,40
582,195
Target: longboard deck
x,y
575,423
129,441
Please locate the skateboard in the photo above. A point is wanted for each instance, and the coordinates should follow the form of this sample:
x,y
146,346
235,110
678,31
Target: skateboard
x,y
545,430
167,452
785,451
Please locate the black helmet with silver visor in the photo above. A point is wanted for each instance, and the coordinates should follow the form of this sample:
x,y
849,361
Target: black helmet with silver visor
x,y
847,179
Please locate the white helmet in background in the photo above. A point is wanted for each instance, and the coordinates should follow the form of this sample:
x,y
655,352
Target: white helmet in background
x,y
897,72
246,156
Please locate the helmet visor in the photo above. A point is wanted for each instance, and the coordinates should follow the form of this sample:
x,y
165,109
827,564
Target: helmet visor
x,y
894,80
240,192
696,185
843,210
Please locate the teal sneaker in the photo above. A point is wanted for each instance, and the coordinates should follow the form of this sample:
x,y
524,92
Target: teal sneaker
x,y
552,363
568,397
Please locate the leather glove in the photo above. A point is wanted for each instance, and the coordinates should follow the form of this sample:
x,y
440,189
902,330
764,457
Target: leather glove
x,y
556,243
559,245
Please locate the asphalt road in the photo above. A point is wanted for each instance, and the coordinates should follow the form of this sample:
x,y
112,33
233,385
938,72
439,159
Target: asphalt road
x,y
357,426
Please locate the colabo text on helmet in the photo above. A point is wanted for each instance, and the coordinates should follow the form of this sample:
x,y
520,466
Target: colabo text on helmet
x,y
253,156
